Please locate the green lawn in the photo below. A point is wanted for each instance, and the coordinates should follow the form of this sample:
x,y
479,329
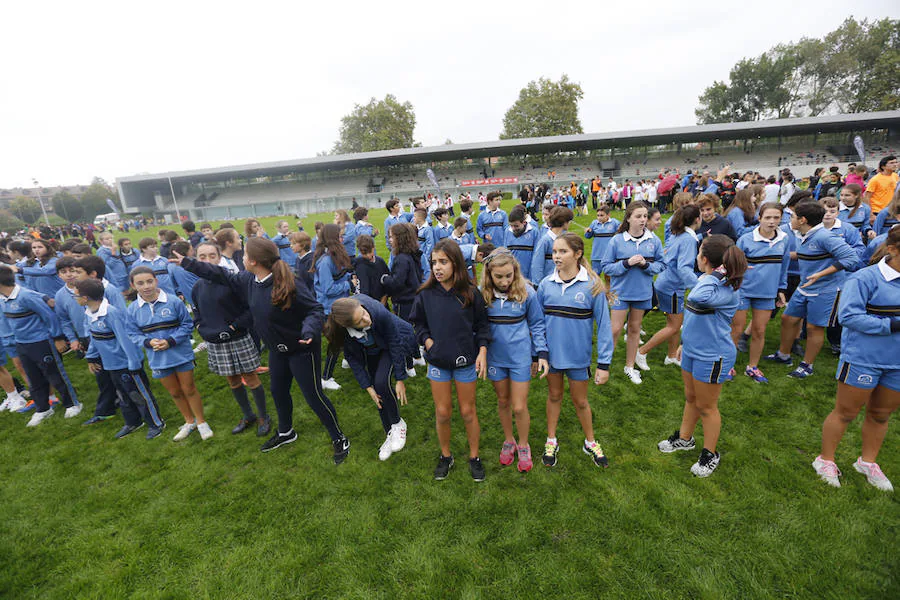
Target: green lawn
x,y
86,516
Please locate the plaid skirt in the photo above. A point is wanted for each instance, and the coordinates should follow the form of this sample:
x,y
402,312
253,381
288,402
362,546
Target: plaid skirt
x,y
234,357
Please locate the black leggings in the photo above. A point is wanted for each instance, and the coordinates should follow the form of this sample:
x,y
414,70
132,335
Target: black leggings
x,y
380,369
305,368
331,360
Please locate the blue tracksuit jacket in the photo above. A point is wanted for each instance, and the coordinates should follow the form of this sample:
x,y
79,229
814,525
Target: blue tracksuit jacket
x,y
29,318
768,262
71,315
679,257
860,219
329,284
818,249
116,269
162,268
284,248
633,283
601,233
109,339
870,301
493,224
709,309
165,319
522,247
42,278
883,222
514,327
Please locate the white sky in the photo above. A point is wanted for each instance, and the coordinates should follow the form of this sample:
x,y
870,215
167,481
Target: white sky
x,y
117,88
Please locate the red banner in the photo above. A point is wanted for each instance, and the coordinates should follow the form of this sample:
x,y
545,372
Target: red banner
x,y
491,181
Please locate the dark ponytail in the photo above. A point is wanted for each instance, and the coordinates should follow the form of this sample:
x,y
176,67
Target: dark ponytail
x,y
265,253
893,239
720,251
335,330
683,218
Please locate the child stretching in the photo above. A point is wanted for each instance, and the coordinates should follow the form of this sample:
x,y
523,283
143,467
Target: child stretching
x,y
450,320
573,298
331,280
517,323
708,352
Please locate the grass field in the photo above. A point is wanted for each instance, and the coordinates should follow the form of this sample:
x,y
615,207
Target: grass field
x,y
86,516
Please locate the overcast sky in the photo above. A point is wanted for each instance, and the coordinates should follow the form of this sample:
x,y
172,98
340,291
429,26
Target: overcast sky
x,y
117,88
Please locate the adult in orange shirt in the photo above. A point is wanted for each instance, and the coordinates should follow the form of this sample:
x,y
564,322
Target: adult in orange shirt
x,y
880,189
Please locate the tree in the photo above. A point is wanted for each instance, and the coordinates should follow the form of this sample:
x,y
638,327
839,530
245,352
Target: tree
x,y
93,201
851,69
544,108
67,206
25,208
9,222
379,125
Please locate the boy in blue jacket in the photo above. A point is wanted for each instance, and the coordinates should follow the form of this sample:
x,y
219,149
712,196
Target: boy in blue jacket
x,y
492,223
113,354
31,320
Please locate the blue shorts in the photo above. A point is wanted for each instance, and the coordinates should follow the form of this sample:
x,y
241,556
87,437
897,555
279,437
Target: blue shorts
x,y
461,375
671,304
867,378
707,371
636,304
820,310
9,353
519,374
578,374
182,368
756,303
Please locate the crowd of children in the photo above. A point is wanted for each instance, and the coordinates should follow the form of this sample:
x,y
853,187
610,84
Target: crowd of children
x,y
543,306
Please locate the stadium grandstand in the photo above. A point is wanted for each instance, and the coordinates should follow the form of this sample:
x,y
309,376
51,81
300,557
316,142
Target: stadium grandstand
x,y
325,183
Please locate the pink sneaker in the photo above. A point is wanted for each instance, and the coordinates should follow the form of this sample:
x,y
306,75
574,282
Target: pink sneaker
x,y
507,453
525,463
828,471
874,474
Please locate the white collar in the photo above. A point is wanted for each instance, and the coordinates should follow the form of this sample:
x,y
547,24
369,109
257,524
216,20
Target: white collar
x,y
163,297
264,279
105,283
143,258
500,296
456,238
644,236
528,228
887,271
582,276
810,232
443,226
779,235
364,223
13,294
102,310
692,233
836,225
474,251
358,333
228,264
842,206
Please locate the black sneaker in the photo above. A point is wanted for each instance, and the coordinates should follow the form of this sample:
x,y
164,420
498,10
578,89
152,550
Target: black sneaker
x,y
128,429
243,425
341,449
476,469
706,464
263,426
279,439
675,443
550,452
835,349
155,432
443,467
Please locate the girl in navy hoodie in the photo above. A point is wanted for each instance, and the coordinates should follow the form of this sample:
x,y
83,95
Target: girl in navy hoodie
x,y
451,323
405,277
376,344
331,280
288,318
223,321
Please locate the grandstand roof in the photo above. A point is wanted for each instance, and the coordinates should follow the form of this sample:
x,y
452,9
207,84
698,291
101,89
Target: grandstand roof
x,y
540,145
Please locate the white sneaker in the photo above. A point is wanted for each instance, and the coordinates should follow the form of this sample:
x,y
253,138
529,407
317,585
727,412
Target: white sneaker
x,y
419,362
184,431
640,360
73,411
202,346
38,417
672,361
643,333
330,384
411,372
345,364
6,403
634,375
385,451
398,436
205,431
16,404
828,471
873,473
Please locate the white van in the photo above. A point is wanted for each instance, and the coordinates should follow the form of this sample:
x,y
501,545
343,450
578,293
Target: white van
x,y
107,218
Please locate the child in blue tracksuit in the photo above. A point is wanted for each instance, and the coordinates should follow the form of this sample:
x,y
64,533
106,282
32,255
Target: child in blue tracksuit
x,y
40,273
331,281
679,258
395,216
835,225
708,352
633,256
869,369
517,323
854,211
521,238
363,227
450,321
823,260
129,256
116,269
377,344
159,323
347,232
111,351
492,223
33,325
573,299
742,214
184,281
601,231
442,229
161,267
425,239
886,218
283,241
542,265
768,252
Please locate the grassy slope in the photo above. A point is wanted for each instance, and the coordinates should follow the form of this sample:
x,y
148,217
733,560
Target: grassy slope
x,y
87,516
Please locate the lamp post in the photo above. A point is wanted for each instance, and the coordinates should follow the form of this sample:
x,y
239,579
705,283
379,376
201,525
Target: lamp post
x,y
41,201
